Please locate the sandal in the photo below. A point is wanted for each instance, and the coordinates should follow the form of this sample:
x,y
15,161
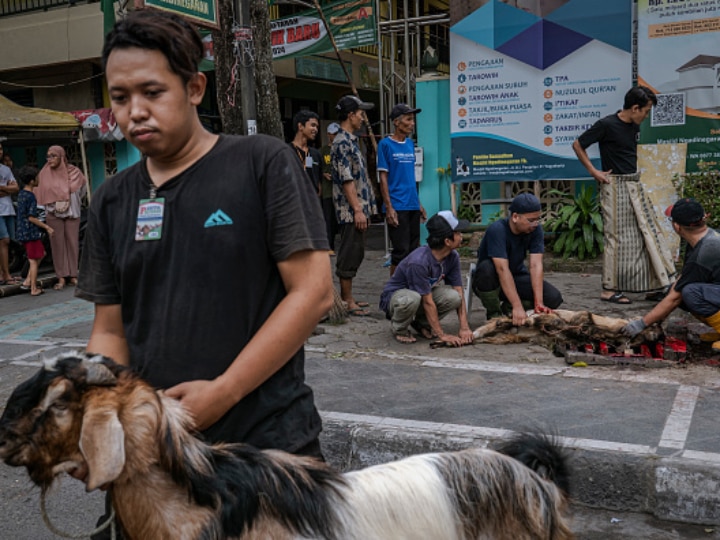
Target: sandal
x,y
424,331
37,293
404,337
617,298
359,312
59,286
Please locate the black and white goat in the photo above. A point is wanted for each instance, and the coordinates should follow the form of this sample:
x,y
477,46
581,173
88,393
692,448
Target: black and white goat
x,y
86,415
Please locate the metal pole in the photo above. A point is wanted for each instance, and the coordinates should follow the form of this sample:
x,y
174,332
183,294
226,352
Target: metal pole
x,y
244,51
406,52
81,140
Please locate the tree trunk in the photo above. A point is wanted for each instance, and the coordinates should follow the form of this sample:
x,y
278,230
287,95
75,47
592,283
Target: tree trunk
x,y
228,83
266,96
228,92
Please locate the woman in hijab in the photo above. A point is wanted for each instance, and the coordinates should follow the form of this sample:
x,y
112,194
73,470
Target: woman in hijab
x,y
61,187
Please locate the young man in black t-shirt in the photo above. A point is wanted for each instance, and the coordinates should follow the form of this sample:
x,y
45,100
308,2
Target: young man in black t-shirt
x,y
307,124
617,136
207,261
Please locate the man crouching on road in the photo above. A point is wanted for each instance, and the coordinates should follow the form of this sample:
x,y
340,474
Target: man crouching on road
x,y
697,290
501,273
414,297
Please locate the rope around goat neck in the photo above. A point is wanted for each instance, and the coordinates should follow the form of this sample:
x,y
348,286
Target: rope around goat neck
x,y
110,522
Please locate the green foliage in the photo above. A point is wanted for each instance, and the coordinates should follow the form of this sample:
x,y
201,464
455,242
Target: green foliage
x,y
466,212
704,186
495,216
578,227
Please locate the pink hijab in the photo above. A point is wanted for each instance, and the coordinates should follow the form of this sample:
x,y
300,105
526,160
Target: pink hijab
x,y
57,184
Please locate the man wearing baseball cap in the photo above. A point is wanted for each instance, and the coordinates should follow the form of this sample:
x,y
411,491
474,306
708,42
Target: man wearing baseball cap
x,y
501,274
396,165
414,296
353,196
697,289
326,189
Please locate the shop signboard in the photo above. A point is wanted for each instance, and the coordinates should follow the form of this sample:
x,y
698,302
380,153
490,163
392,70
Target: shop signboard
x,y
352,23
679,59
527,78
200,12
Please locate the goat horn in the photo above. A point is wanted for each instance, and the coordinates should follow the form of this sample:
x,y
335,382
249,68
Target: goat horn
x,y
99,374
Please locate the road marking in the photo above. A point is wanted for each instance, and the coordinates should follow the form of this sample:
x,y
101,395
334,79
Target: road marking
x,y
678,422
496,367
701,456
611,374
42,346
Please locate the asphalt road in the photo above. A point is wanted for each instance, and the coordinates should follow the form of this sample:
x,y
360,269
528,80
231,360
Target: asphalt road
x,y
31,328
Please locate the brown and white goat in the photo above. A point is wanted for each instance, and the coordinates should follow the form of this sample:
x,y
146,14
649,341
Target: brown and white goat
x,y
86,415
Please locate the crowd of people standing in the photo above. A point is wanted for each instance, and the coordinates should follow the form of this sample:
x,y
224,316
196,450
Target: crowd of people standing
x,y
59,187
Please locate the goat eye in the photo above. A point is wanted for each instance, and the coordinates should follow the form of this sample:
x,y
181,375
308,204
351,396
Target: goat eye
x,y
60,406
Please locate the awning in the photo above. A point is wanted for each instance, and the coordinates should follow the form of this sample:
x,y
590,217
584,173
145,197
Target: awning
x,y
14,117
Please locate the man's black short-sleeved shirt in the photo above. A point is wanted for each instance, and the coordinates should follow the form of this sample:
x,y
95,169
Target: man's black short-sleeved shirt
x,y
194,298
499,242
617,141
702,262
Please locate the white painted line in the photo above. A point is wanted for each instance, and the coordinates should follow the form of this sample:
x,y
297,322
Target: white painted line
x,y
476,432
701,456
611,373
27,364
497,367
677,426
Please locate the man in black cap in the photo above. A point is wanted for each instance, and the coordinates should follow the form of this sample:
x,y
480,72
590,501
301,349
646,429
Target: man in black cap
x,y
697,289
501,273
414,297
353,196
396,165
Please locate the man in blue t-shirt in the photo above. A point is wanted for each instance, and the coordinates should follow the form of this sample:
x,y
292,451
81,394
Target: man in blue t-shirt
x,y
501,273
396,165
414,296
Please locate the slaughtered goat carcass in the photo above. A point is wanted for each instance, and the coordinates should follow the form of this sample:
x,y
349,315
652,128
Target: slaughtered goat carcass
x,y
86,415
562,329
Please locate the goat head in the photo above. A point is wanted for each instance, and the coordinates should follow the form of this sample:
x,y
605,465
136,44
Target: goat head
x,y
45,427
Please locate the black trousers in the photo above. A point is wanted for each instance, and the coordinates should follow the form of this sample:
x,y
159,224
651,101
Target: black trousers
x,y
485,279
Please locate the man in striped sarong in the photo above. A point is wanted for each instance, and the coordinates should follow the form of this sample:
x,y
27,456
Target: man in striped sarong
x,y
632,259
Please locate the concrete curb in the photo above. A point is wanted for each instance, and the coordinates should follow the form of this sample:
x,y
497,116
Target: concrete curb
x,y
11,290
626,479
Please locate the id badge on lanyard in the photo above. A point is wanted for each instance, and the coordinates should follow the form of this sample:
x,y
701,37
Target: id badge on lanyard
x,y
150,219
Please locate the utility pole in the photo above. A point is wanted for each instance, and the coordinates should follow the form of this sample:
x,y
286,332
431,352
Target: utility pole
x,y
244,52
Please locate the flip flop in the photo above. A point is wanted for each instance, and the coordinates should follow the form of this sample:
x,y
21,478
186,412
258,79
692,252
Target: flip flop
x,y
406,338
37,293
617,298
362,304
59,286
359,312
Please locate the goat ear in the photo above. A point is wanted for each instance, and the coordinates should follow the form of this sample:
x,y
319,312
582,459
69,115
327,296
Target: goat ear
x,y
102,443
99,374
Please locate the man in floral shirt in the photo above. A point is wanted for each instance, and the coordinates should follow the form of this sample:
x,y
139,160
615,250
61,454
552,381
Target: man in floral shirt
x,y
353,196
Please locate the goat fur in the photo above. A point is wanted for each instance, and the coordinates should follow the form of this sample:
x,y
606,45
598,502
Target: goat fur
x,y
87,415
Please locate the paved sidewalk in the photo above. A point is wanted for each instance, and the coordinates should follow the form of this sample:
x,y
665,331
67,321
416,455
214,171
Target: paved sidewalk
x,y
642,439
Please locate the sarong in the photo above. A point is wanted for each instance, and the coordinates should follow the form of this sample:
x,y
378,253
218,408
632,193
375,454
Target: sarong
x,y
634,258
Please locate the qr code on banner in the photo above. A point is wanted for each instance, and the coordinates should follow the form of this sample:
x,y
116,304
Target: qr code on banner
x,y
669,111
